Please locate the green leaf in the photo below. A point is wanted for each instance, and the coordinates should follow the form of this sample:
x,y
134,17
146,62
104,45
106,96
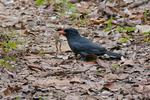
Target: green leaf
x,y
42,52
107,30
126,28
145,12
129,29
13,58
118,28
9,65
73,9
12,68
145,33
5,36
4,43
100,71
1,61
5,64
123,40
39,2
25,40
18,42
6,50
115,67
108,26
146,39
109,23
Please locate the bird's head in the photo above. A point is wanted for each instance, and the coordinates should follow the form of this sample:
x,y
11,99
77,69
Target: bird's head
x,y
70,32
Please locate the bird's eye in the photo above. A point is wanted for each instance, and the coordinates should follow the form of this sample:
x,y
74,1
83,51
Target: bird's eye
x,y
66,30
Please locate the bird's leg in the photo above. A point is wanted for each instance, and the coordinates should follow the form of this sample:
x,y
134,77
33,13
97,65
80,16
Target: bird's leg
x,y
82,58
76,54
83,55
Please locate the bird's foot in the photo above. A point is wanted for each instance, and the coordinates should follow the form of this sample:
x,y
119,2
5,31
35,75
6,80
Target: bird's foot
x,y
82,58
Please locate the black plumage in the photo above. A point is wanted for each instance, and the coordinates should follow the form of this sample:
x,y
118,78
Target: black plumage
x,y
83,46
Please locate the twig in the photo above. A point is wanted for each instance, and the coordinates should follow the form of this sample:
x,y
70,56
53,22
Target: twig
x,y
58,73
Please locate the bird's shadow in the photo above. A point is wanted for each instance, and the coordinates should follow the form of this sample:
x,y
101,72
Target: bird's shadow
x,y
109,59
102,58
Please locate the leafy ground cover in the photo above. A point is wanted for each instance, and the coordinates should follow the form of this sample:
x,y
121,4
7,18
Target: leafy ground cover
x,y
37,63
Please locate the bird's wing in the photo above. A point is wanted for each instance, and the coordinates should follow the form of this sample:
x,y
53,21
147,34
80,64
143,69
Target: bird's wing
x,y
88,46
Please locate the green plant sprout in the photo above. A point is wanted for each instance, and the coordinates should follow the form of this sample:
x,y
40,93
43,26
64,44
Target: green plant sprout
x,y
83,22
13,33
39,2
66,8
126,28
147,39
42,52
11,58
108,26
100,71
5,63
115,67
17,97
145,33
74,16
8,47
5,36
145,13
124,39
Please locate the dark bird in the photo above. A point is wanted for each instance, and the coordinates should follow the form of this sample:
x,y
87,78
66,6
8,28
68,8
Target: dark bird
x,y
83,46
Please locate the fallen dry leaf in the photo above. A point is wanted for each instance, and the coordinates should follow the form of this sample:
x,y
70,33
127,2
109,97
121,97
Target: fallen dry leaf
x,y
32,57
71,97
33,66
91,62
123,76
97,21
148,56
81,9
73,91
125,35
142,61
7,91
66,77
127,61
5,19
143,28
147,66
75,80
109,86
91,56
94,14
113,9
101,63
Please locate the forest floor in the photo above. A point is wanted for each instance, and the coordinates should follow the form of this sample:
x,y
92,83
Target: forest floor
x,y
33,68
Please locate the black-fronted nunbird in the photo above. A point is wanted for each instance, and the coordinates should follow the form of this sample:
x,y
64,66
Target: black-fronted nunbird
x,y
83,46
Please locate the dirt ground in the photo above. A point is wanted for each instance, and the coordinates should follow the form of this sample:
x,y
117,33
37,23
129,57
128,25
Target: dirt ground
x,y
45,68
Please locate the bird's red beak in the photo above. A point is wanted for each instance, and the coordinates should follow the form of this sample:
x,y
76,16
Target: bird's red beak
x,y
62,32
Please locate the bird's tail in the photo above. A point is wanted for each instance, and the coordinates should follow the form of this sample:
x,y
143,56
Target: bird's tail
x,y
115,54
